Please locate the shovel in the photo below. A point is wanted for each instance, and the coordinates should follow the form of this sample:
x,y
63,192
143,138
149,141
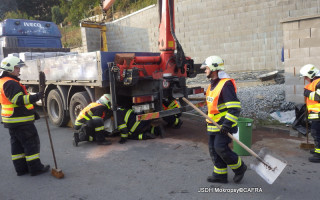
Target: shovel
x,y
268,167
42,83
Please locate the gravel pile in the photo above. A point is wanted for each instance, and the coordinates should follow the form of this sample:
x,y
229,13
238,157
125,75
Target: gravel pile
x,y
257,102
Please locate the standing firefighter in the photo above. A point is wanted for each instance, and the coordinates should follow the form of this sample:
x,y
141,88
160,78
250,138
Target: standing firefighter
x,y
131,129
224,108
90,122
18,116
312,95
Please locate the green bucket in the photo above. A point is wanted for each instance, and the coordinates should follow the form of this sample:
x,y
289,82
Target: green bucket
x,y
244,134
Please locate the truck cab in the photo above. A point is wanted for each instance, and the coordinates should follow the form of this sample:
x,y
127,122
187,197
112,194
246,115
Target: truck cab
x,y
21,34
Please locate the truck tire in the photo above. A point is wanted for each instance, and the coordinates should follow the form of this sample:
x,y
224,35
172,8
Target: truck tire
x,y
78,102
57,115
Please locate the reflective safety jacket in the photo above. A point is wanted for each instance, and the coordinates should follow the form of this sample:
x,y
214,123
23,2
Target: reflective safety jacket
x,y
170,105
95,112
223,104
312,100
16,102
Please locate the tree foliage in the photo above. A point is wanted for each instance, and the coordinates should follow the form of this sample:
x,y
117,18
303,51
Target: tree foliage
x,y
80,9
7,6
39,9
65,11
17,15
57,16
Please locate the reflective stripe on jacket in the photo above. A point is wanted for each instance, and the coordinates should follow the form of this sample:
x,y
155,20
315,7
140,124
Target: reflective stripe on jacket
x,y
312,106
173,104
86,114
8,112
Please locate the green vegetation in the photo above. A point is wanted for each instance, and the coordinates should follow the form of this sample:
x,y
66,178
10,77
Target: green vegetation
x,y
71,36
68,13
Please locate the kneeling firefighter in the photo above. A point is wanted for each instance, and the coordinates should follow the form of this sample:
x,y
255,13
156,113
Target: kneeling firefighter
x,y
90,122
137,130
173,121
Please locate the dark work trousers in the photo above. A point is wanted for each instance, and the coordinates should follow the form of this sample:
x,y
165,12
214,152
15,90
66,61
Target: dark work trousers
x,y
171,119
220,152
25,148
315,133
87,131
143,127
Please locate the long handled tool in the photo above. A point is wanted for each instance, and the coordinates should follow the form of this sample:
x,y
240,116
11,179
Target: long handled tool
x,y
268,167
42,83
307,145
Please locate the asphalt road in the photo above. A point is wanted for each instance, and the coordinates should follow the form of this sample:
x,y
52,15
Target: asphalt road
x,y
175,167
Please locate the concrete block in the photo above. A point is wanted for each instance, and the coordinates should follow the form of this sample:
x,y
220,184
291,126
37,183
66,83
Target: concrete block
x,y
299,53
314,51
288,26
312,60
315,32
291,44
309,42
301,33
310,23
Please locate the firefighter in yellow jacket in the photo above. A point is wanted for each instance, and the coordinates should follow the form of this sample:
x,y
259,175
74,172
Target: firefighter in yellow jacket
x,y
18,116
90,121
173,121
312,94
224,108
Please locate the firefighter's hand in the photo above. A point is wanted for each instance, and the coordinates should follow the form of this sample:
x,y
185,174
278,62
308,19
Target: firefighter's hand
x,y
40,95
225,129
123,140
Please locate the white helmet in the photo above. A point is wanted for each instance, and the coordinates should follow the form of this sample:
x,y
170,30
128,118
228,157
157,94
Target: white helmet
x,y
105,100
309,71
8,63
214,63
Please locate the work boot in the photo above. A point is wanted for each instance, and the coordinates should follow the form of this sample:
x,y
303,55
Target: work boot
x,y
149,136
76,139
178,125
239,175
315,158
22,173
218,178
105,142
41,171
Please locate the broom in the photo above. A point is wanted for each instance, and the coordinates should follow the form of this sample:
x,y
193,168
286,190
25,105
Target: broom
x,y
54,171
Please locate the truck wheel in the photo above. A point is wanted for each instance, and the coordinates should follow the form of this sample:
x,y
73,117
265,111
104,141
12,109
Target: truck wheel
x,y
78,102
57,115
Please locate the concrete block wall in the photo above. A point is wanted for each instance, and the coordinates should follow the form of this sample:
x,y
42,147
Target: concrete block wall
x,y
90,39
247,34
301,36
137,32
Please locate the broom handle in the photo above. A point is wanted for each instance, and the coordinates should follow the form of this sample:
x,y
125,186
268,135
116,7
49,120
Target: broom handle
x,y
42,80
307,126
231,136
51,144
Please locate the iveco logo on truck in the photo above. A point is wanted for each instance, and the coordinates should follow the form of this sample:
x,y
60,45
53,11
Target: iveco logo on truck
x,y
32,24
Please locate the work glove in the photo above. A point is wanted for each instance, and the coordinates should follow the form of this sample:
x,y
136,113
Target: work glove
x,y
40,95
225,129
36,115
123,140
